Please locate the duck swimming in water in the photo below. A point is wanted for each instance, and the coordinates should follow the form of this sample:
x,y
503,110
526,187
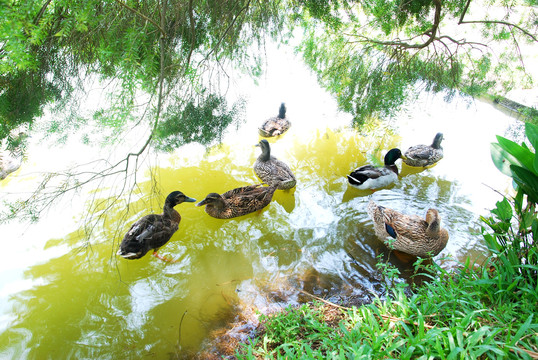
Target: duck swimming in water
x,y
273,171
372,177
409,234
277,125
425,155
153,231
238,202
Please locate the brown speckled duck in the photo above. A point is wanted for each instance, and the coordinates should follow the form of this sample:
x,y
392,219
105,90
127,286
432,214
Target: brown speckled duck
x,y
277,125
425,155
273,171
409,234
153,231
238,202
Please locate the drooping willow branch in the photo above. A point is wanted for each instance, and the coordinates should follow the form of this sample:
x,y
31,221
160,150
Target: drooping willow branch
x,y
499,22
54,186
138,13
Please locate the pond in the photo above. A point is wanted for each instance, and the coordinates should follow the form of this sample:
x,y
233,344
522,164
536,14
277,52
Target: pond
x,y
67,295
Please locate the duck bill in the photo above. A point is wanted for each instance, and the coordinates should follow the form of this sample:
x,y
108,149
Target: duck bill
x,y
201,203
189,199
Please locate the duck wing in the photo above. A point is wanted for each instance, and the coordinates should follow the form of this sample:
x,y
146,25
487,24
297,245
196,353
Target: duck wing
x,y
240,191
366,172
150,232
274,171
419,152
251,200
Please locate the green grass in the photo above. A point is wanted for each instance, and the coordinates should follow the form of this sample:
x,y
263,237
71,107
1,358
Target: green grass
x,y
458,315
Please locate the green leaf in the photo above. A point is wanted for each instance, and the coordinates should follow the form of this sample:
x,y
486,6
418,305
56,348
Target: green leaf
x,y
523,155
522,330
502,159
527,180
531,131
503,210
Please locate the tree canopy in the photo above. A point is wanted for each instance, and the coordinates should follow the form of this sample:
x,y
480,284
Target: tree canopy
x,y
373,55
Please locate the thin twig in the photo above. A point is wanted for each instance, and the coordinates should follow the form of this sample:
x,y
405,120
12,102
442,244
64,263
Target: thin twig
x,y
138,13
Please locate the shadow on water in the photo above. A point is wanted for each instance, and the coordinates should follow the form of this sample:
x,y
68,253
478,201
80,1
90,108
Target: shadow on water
x,y
79,301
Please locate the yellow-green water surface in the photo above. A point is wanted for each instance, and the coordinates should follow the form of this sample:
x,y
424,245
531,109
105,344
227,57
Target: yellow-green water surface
x,y
66,295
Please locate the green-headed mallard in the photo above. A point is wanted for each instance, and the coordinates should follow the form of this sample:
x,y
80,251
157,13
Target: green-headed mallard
x,y
409,233
238,202
271,170
425,155
277,125
372,177
153,231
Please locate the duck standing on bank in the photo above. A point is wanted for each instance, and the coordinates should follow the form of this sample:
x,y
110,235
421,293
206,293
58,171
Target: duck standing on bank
x,y
273,171
425,155
238,202
376,177
409,234
153,231
277,125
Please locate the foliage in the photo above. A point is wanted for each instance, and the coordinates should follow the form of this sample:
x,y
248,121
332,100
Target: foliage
x,y
51,47
375,55
184,124
458,317
513,223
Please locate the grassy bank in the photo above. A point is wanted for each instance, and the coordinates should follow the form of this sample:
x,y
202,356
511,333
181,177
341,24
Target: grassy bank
x,y
466,314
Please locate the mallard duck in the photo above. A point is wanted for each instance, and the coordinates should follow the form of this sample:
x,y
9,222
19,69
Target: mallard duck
x,y
425,155
271,170
238,202
153,231
372,177
277,125
409,234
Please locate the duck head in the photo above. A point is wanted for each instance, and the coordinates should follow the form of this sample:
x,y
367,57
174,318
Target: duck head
x,y
266,149
177,197
392,156
282,111
212,199
437,141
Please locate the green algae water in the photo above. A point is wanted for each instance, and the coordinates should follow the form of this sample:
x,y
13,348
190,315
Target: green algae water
x,y
66,295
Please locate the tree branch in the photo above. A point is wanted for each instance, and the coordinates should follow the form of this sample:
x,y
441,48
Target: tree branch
x,y
245,8
461,21
431,33
160,28
41,12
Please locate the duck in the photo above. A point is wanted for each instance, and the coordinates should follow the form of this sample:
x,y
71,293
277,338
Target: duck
x,y
154,230
409,234
425,155
375,177
277,125
237,202
271,170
